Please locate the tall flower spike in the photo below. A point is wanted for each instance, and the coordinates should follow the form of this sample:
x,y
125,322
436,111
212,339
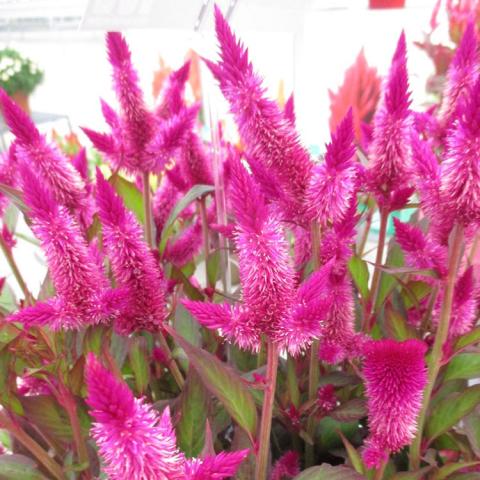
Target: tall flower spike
x,y
194,162
265,132
460,172
172,94
215,467
133,264
133,441
32,148
289,110
395,376
334,182
389,149
461,76
287,466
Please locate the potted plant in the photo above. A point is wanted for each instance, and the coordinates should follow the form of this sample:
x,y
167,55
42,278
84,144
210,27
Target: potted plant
x,y
19,76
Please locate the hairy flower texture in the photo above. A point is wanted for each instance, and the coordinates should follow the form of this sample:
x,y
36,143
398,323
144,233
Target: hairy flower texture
x,y
133,441
334,182
395,376
180,251
421,252
326,398
195,164
389,149
133,264
287,466
8,173
461,75
49,163
172,94
289,110
214,467
460,171
83,295
164,200
265,132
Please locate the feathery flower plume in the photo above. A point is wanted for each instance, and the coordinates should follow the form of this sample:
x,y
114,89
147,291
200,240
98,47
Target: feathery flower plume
x,y
32,148
194,162
172,94
461,75
185,246
287,466
395,376
8,173
133,264
215,467
265,132
460,172
334,182
133,441
389,149
164,200
289,110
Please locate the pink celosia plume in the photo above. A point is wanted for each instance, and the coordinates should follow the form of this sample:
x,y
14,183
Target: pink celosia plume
x,y
172,94
289,110
286,467
395,376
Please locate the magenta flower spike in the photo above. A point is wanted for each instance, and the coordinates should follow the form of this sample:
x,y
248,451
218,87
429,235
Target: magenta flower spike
x,y
289,109
172,94
180,251
8,173
133,264
164,200
395,376
286,467
266,134
460,171
461,76
334,182
389,148
133,440
215,467
195,163
56,171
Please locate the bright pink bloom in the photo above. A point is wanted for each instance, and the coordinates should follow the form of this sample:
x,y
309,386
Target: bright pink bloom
x,y
164,201
133,441
461,76
195,163
172,94
8,173
334,182
56,171
326,399
389,149
266,134
214,467
460,172
287,466
395,376
289,109
181,250
133,264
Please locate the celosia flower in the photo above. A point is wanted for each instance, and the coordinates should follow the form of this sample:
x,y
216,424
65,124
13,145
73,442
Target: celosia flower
x,y
389,149
181,250
83,293
326,399
395,376
289,110
460,171
32,148
172,94
334,182
135,442
133,264
194,162
164,200
287,466
461,75
8,173
266,134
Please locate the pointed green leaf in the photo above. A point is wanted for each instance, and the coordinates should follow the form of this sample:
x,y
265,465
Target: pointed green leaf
x,y
137,355
354,409
353,455
359,272
416,475
397,326
463,366
223,382
471,427
130,194
327,472
447,470
468,339
18,467
451,410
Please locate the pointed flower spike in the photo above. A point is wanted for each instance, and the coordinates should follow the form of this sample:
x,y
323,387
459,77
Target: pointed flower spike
x,y
134,442
389,149
172,95
133,264
286,467
334,182
395,376
215,467
289,109
195,163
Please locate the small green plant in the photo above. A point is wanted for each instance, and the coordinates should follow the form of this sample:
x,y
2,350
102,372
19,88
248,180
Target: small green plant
x,y
18,73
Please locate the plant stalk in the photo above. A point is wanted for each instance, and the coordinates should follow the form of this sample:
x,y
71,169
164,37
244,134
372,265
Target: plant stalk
x,y
365,233
380,471
32,446
261,470
375,288
148,211
16,272
205,235
172,364
435,362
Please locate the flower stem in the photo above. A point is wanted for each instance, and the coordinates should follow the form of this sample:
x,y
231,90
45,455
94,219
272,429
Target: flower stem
x,y
172,364
205,235
16,272
31,445
375,288
366,231
147,210
380,471
441,337
267,411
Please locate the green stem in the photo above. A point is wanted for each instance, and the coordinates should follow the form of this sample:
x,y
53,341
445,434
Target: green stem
x,y
172,364
375,288
16,272
380,471
435,361
147,211
32,446
261,470
205,236
366,231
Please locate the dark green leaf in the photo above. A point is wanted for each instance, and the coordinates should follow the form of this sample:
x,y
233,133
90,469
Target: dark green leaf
x,y
447,470
359,272
130,194
338,379
471,427
353,455
327,472
351,410
223,382
414,292
463,366
18,467
137,355
213,267
468,339
417,475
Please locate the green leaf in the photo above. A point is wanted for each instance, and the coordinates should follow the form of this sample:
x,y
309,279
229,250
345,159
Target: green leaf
x,y
213,267
359,272
223,382
397,326
451,410
137,354
10,217
8,301
327,472
416,475
18,467
447,470
193,293
195,192
471,427
387,281
468,339
338,379
93,339
414,292
463,366
193,416
354,409
130,194
353,455
187,326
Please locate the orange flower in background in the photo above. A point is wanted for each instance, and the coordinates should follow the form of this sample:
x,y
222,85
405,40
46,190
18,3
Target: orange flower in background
x,y
360,90
159,77
459,13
